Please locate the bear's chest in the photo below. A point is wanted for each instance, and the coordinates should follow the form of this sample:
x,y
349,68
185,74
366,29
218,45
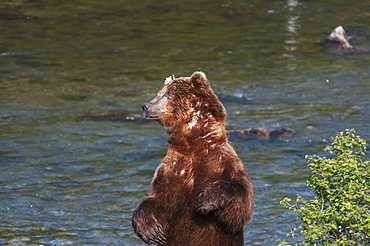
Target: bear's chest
x,y
179,171
174,175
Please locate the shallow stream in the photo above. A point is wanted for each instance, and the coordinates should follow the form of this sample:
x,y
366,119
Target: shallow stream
x,y
67,178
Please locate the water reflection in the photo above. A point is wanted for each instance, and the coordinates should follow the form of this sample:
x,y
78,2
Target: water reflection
x,y
292,27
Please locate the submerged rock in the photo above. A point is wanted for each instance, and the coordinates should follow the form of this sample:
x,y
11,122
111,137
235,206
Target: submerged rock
x,y
272,133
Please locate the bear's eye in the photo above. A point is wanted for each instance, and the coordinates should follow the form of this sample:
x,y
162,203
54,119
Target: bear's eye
x,y
168,94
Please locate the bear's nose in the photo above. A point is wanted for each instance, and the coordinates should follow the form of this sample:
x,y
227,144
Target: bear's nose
x,y
145,106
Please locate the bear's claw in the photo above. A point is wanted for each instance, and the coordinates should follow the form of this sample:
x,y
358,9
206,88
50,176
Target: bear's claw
x,y
159,237
153,236
148,228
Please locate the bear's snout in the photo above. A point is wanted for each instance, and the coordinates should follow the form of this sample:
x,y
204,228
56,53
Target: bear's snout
x,y
145,106
151,111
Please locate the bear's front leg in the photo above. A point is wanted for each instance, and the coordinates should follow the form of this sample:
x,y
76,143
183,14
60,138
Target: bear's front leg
x,y
145,222
230,202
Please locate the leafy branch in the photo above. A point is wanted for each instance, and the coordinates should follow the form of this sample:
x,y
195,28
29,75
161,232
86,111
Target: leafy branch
x,y
339,212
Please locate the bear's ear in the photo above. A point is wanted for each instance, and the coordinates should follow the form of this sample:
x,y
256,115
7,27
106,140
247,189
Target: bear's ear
x,y
198,78
169,79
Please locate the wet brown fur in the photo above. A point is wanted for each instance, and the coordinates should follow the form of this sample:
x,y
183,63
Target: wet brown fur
x,y
200,194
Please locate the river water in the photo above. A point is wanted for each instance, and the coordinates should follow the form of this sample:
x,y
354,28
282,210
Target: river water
x,y
67,178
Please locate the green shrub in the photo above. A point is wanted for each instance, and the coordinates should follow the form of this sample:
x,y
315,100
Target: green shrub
x,y
339,211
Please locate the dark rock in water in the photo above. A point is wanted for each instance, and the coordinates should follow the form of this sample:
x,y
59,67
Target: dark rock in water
x,y
271,133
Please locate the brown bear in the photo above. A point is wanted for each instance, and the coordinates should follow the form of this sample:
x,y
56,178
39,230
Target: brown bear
x,y
200,194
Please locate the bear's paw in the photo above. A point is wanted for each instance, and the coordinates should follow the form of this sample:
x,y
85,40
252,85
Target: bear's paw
x,y
214,197
148,228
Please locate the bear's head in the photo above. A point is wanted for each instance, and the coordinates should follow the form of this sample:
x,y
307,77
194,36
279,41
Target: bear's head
x,y
187,104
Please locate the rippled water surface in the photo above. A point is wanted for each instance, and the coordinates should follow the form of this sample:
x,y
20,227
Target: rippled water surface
x,y
70,177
